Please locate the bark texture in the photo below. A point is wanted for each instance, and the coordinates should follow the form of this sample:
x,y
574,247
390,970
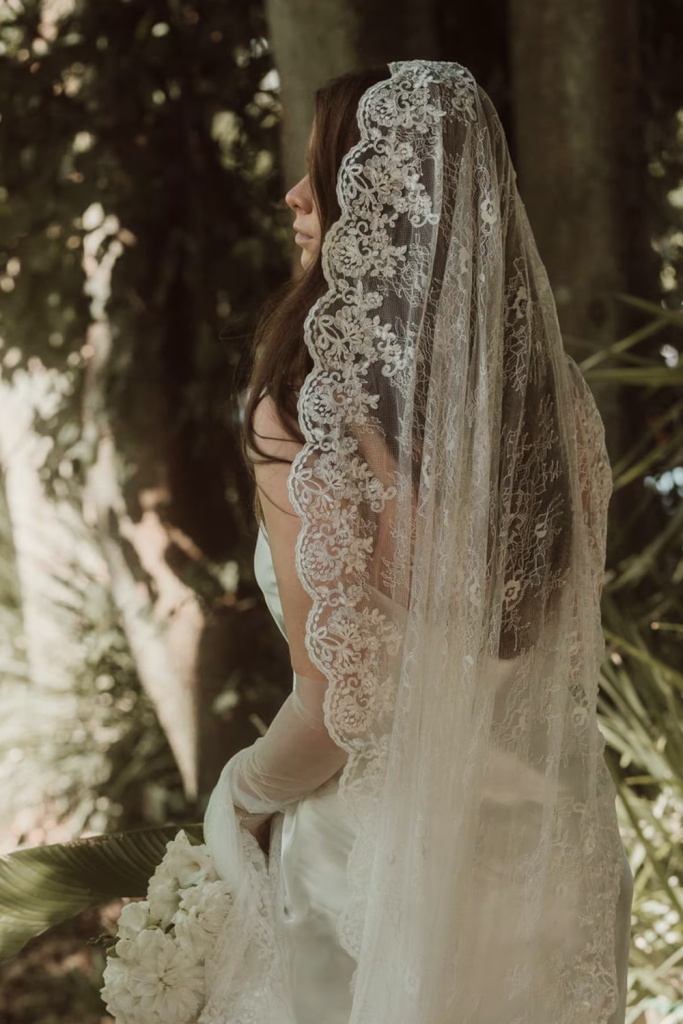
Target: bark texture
x,y
316,40
580,158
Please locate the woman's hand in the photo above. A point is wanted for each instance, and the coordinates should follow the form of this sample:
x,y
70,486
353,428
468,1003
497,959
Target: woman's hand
x,y
295,757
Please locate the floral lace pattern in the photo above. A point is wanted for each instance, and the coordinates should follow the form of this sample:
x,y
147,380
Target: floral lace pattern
x,y
430,232
453,493
247,977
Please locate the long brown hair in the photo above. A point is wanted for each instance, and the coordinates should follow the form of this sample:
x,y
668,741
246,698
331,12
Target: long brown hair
x,y
277,360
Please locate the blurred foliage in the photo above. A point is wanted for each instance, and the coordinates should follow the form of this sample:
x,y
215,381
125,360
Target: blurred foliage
x,y
46,885
12,661
86,759
152,126
661,31
57,977
160,120
641,688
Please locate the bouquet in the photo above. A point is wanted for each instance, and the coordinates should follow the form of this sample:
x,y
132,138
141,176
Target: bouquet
x,y
155,971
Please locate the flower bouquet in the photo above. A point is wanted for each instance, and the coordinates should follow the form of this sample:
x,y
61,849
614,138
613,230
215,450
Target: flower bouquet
x,y
155,971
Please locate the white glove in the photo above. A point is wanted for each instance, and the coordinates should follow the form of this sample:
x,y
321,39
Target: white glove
x,y
295,757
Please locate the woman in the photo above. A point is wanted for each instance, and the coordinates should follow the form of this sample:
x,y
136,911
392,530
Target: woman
x,y
433,482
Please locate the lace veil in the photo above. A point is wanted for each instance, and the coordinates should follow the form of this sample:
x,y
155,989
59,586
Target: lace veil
x,y
453,493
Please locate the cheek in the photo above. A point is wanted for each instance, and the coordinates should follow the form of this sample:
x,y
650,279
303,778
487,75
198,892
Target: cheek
x,y
313,249
313,220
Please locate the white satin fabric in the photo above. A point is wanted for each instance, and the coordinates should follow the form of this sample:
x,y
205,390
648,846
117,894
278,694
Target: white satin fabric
x,y
316,839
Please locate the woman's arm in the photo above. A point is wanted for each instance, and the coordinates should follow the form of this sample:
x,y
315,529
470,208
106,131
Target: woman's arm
x,y
294,757
297,754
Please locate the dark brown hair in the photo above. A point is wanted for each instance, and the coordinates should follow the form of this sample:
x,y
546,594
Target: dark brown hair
x,y
277,359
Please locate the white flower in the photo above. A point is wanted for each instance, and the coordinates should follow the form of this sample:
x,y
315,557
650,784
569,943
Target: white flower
x,y
133,919
168,986
188,864
203,910
183,866
164,897
116,992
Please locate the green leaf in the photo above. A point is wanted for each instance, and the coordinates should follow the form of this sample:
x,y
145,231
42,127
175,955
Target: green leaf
x,y
45,885
645,376
671,316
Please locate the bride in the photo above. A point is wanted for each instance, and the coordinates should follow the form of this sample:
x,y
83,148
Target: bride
x,y
426,834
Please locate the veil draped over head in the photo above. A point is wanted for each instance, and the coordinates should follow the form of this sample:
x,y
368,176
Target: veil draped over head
x,y
453,493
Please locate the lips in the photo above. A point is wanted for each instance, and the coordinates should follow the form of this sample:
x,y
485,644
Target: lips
x,y
301,236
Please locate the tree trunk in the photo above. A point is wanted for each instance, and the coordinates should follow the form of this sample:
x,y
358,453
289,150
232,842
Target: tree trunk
x,y
184,624
160,614
316,40
581,165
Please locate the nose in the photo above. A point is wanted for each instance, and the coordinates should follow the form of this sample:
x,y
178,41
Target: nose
x,y
299,197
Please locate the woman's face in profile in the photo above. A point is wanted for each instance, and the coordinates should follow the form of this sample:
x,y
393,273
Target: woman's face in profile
x,y
306,223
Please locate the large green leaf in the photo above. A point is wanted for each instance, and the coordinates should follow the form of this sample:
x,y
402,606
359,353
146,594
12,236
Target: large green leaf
x,y
639,376
44,885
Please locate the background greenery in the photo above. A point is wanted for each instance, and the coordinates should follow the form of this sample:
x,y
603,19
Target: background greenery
x,y
145,149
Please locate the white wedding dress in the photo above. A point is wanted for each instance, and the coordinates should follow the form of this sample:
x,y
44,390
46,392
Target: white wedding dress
x,y
316,839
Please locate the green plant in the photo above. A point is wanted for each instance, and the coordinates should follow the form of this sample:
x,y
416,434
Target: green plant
x,y
46,885
641,695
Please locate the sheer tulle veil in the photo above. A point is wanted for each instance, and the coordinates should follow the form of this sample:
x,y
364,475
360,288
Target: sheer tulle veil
x,y
453,494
